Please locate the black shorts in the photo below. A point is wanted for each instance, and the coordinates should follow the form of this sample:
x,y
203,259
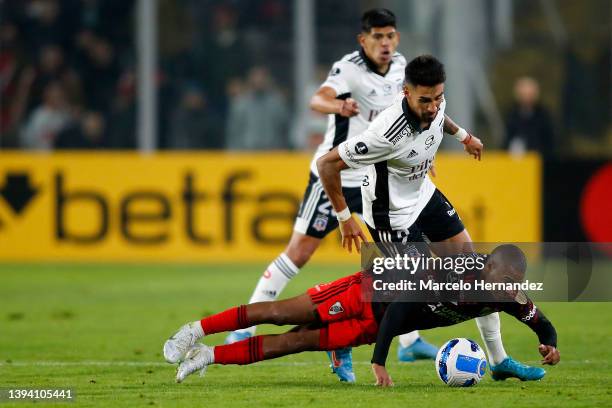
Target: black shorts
x,y
315,217
438,221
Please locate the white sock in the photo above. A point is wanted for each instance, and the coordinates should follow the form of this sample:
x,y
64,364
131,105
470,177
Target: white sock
x,y
407,339
490,330
197,329
272,282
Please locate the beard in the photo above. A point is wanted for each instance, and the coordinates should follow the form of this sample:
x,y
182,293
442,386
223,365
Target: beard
x,y
426,117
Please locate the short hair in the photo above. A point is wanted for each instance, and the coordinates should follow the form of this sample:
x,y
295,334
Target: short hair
x,y
378,17
425,70
511,255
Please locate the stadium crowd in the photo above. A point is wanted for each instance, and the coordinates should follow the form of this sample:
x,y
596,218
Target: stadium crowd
x,y
67,75
224,78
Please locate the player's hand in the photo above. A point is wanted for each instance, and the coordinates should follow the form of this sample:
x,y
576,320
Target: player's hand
x,y
550,354
382,377
351,234
349,108
474,147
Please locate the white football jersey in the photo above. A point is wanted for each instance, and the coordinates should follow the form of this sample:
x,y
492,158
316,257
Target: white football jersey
x,y
396,187
355,76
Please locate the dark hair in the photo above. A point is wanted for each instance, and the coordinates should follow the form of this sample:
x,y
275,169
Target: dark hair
x,y
511,255
425,70
378,17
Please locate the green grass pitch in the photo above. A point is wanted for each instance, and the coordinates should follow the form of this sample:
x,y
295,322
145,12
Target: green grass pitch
x,y
99,329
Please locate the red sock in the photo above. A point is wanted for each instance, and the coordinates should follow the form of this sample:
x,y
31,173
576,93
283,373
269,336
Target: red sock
x,y
242,352
232,319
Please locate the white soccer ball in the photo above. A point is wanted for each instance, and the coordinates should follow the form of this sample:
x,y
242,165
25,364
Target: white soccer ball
x,y
461,363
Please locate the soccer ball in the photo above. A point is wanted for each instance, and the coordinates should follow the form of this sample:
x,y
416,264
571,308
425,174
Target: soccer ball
x,y
461,363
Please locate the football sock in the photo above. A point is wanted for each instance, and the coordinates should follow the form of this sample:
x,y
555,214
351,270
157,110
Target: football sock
x,y
490,330
231,319
242,352
273,281
406,340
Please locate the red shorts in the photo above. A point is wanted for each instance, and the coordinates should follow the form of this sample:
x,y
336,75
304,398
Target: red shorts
x,y
348,320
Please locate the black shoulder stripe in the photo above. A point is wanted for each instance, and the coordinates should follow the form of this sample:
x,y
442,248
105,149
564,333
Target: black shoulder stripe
x,y
397,132
399,122
395,122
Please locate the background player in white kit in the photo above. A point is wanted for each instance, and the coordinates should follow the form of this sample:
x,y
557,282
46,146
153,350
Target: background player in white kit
x,y
400,202
359,86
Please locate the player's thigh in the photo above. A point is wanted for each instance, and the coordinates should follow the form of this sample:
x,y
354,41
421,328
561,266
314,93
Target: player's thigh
x,y
341,299
296,310
440,223
348,333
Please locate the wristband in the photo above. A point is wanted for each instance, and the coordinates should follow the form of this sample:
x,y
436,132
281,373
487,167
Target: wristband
x,y
467,139
344,215
461,135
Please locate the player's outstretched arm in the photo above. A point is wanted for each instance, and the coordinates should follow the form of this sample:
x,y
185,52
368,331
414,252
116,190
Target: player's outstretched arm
x,y
325,101
472,144
533,317
329,167
395,321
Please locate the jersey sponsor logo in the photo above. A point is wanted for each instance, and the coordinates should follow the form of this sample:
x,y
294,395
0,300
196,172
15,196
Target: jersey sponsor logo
x,y
530,315
336,308
361,148
429,142
349,154
372,93
270,293
398,136
320,223
412,154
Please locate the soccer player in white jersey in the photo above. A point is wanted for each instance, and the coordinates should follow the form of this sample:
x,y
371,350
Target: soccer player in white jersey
x,y
400,202
359,86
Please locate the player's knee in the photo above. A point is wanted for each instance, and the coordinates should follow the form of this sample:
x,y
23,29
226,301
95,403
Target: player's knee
x,y
276,314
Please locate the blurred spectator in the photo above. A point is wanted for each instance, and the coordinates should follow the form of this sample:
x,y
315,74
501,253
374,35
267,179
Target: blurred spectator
x,y
47,24
99,71
259,117
51,67
122,122
224,55
528,124
193,124
88,133
9,74
47,120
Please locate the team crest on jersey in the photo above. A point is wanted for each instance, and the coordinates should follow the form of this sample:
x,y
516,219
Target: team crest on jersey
x,y
429,142
320,223
336,308
387,89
